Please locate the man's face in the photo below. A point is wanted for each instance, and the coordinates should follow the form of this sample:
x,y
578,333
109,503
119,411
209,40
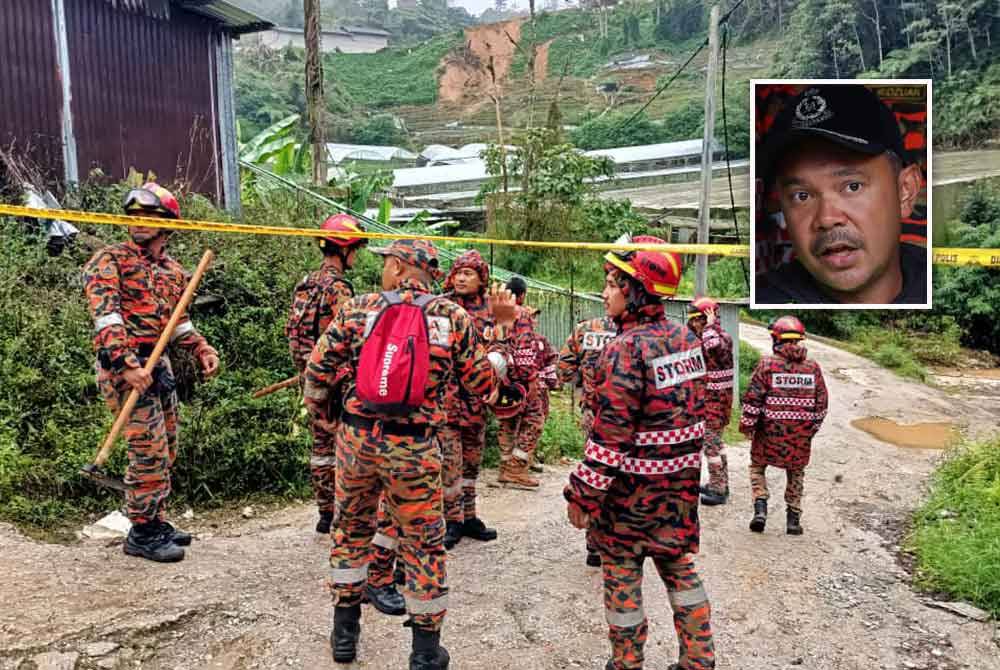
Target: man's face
x,y
843,212
697,324
466,281
144,235
391,268
614,297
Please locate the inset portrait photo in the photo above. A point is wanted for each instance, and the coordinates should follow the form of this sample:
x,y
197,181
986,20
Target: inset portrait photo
x,y
841,205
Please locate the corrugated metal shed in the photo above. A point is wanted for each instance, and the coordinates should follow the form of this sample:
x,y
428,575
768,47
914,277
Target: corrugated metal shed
x,y
236,20
651,152
29,104
368,152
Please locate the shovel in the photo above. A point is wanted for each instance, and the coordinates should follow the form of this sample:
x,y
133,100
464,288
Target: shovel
x,y
95,470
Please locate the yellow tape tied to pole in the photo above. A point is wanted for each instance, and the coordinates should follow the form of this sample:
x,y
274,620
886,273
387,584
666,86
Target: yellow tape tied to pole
x,y
941,256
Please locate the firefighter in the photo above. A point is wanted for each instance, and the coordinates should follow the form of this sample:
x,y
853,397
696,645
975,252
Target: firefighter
x,y
578,361
519,431
716,344
783,410
132,288
637,487
392,447
548,380
463,437
317,298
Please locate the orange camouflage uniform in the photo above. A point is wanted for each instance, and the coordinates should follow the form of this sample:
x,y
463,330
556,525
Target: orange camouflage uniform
x,y
638,482
519,435
131,294
317,298
399,456
578,360
718,348
783,409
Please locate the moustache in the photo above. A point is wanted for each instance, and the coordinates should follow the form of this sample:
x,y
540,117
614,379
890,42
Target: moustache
x,y
835,238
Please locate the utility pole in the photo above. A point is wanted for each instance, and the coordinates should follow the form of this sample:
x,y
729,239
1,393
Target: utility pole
x,y
704,212
314,91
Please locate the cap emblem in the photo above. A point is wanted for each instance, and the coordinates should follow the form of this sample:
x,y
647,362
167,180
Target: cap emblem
x,y
812,109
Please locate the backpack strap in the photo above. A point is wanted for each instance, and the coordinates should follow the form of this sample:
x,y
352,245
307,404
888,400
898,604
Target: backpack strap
x,y
423,299
392,297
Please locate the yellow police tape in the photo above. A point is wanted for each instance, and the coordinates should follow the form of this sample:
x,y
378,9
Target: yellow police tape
x,y
737,250
941,256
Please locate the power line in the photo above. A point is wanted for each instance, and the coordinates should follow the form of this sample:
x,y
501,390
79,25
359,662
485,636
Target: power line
x,y
725,138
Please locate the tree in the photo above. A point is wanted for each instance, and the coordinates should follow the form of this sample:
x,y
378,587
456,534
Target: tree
x,y
314,90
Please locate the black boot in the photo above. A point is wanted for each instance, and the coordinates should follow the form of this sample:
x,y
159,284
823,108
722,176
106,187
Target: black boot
x,y
323,525
759,515
792,522
148,541
398,575
477,530
386,599
345,633
710,497
428,654
177,536
452,534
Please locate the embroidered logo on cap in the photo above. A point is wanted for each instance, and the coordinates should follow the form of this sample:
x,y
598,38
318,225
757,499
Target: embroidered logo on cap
x,y
812,109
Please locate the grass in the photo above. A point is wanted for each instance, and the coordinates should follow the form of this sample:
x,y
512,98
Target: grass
x,y
956,534
748,361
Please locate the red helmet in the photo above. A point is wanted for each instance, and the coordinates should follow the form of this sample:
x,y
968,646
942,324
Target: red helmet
x,y
787,328
659,272
342,223
702,307
151,198
510,401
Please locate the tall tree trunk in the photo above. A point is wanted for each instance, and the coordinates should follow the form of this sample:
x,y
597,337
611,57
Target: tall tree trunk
x,y
947,41
314,91
836,63
878,31
781,18
861,49
972,40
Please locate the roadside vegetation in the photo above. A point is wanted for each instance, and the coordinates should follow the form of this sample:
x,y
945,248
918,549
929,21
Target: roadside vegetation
x,y
955,534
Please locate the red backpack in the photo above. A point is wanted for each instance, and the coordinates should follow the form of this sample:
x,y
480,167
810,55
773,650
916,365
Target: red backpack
x,y
395,358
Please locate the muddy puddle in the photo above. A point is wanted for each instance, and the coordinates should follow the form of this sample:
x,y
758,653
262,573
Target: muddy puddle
x,y
928,435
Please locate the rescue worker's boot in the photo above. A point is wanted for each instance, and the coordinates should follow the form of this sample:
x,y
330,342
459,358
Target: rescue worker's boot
x,y
345,633
793,524
593,559
398,576
386,599
477,530
514,473
325,520
176,535
452,534
711,497
759,515
149,541
428,654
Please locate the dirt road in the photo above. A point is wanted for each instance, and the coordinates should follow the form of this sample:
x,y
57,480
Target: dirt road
x,y
251,593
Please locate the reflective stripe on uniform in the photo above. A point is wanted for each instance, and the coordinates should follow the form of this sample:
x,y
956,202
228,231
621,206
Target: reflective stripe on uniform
x,y
432,606
349,575
714,460
795,402
719,386
454,489
720,374
609,457
591,478
666,466
520,454
688,597
384,541
674,436
794,416
321,461
629,619
181,330
113,319
468,483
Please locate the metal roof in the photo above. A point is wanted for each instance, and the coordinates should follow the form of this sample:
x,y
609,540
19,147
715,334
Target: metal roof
x,y
341,152
440,174
235,19
649,152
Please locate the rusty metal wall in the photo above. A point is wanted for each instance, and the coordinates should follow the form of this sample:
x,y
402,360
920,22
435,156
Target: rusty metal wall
x,y
143,94
30,94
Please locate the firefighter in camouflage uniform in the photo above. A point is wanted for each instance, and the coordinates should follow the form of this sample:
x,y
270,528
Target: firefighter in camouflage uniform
x,y
518,433
783,410
398,455
578,361
316,300
637,487
463,437
717,346
132,288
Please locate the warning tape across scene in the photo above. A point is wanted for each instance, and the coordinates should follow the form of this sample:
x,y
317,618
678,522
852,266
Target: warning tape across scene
x,y
942,256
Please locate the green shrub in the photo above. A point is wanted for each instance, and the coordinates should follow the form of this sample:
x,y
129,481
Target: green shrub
x,y
955,532
749,357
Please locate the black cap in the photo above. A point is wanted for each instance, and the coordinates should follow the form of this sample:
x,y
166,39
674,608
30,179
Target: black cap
x,y
517,286
850,115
